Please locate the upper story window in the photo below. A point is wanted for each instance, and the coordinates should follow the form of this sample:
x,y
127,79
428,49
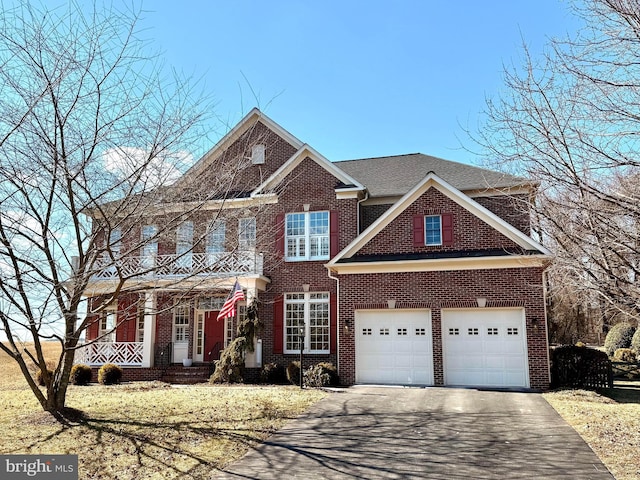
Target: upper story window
x,y
216,237
257,154
184,244
247,233
433,230
149,245
115,241
307,236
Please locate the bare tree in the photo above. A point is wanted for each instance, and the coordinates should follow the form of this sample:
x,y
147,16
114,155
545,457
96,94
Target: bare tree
x,y
570,120
90,131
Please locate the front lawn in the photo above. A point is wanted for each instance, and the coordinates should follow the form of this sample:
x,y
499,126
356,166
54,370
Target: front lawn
x,y
609,423
147,430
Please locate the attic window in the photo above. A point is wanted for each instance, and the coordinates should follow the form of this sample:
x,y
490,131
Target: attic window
x,y
257,154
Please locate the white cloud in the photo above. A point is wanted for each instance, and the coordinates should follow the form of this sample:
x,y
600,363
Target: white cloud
x,y
134,165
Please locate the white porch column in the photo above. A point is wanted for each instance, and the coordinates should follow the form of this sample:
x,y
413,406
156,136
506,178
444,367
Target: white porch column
x,y
253,359
149,329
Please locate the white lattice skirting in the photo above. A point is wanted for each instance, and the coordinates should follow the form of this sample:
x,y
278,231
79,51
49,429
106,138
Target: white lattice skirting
x,y
124,354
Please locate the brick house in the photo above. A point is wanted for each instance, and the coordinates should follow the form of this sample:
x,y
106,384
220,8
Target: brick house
x,y
403,270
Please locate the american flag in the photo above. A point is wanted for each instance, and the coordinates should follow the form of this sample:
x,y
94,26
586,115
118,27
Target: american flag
x,y
229,307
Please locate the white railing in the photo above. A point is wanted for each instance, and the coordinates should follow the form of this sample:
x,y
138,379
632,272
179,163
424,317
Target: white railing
x,y
223,264
124,354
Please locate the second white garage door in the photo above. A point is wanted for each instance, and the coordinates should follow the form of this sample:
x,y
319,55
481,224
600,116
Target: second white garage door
x,y
485,347
394,347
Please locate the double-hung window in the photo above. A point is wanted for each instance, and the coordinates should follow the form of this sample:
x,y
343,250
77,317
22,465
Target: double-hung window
x,y
216,237
184,245
433,230
247,233
149,246
307,236
306,322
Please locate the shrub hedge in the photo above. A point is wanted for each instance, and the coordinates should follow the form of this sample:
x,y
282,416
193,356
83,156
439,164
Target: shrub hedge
x,y
619,336
109,374
81,374
624,355
635,341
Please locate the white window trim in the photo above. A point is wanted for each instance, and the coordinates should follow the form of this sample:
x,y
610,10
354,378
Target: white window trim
x,y
307,257
426,242
181,325
307,301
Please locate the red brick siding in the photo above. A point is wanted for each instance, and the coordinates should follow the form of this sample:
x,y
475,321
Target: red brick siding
x,y
309,184
437,290
469,232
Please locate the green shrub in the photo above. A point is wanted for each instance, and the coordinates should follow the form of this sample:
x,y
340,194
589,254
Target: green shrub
x,y
273,373
109,374
635,341
81,374
619,336
323,374
624,355
293,373
580,367
230,367
40,379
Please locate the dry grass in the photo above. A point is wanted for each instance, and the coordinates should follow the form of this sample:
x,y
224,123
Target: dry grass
x,y
609,424
147,429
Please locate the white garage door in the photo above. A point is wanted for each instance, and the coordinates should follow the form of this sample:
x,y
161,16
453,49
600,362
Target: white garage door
x,y
485,347
394,347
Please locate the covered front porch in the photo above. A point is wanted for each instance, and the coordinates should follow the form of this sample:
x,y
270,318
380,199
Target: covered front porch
x,y
158,328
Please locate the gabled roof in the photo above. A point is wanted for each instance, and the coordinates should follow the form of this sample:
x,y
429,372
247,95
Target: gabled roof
x,y
396,175
304,152
431,180
254,116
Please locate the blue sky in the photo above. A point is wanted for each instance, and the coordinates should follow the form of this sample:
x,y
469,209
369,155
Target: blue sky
x,y
355,78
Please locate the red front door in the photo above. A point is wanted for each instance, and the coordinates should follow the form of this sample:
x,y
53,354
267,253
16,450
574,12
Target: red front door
x,y
213,336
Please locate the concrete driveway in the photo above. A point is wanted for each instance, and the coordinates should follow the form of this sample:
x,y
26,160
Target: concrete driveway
x,y
435,433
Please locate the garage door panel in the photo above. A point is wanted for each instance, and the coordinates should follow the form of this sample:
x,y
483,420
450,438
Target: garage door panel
x,y
488,350
394,347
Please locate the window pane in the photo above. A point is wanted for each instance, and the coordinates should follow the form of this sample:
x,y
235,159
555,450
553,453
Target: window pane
x,y
319,223
319,326
215,237
247,233
433,233
294,319
295,224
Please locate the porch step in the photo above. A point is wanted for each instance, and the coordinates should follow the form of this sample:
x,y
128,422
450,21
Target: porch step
x,y
186,375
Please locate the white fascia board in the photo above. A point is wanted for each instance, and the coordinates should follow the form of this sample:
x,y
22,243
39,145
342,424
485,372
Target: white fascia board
x,y
441,264
250,119
302,153
433,181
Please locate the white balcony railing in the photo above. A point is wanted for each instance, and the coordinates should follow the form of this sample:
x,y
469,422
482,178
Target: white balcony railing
x,y
223,264
124,354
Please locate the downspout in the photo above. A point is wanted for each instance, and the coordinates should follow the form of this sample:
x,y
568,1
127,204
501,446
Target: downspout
x,y
337,319
366,197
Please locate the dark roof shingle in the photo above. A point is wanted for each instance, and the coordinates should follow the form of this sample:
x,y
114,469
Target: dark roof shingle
x,y
396,175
